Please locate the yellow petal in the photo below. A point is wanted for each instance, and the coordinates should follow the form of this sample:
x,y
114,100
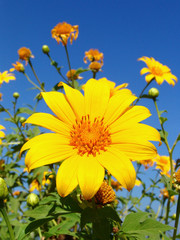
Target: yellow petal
x,y
90,176
96,96
134,115
66,179
119,165
117,105
2,127
76,100
149,77
50,122
2,134
46,149
58,104
144,70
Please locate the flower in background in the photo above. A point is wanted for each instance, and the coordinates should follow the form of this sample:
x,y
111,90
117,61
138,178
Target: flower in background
x,y
16,193
163,163
147,163
72,75
95,66
93,132
25,54
18,67
156,70
93,55
2,134
6,77
164,192
36,185
63,31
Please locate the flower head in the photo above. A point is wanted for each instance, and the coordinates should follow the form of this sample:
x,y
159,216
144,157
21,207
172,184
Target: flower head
x,y
63,31
105,194
156,70
18,67
93,55
92,132
25,54
2,134
95,66
163,163
147,163
72,75
6,77
164,192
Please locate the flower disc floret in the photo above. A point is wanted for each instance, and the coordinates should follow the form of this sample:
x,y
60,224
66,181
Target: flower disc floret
x,y
156,70
90,133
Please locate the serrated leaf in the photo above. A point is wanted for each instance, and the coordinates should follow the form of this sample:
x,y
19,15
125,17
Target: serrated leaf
x,y
39,212
109,212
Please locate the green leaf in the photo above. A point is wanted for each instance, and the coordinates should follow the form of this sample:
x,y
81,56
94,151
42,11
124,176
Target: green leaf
x,y
87,216
162,120
39,212
161,112
109,212
24,110
81,70
140,225
163,135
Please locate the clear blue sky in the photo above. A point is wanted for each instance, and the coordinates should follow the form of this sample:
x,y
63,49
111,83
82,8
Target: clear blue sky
x,y
122,30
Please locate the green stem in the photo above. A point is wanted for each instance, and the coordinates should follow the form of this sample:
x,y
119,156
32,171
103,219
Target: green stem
x,y
4,213
69,64
142,92
177,218
94,74
36,75
39,231
29,80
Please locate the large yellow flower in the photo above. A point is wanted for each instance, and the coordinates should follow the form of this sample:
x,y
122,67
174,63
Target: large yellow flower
x,y
63,31
94,132
6,77
157,71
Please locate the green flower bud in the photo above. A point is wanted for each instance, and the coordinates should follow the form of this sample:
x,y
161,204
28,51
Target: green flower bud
x,y
174,216
32,200
22,119
45,49
3,189
153,92
16,95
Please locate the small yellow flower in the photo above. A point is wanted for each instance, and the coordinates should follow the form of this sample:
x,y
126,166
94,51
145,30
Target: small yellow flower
x,y
25,54
163,163
93,55
6,77
92,132
71,75
35,185
156,70
63,31
18,67
46,181
2,134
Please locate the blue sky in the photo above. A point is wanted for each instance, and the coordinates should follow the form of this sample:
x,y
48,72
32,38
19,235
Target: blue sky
x,y
122,30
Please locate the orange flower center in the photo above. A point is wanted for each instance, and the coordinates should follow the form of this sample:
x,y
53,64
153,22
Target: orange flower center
x,y
157,71
90,137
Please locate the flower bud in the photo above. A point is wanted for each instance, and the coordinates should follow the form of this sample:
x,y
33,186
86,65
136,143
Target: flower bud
x,y
174,216
16,95
153,92
45,49
22,119
32,200
3,189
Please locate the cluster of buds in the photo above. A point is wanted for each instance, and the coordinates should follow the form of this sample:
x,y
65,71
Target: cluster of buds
x,y
96,59
176,180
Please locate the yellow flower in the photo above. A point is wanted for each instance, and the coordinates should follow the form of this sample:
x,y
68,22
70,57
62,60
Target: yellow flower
x,y
93,132
46,181
35,185
25,54
156,70
163,163
6,77
18,67
164,192
147,163
63,31
2,134
71,74
93,55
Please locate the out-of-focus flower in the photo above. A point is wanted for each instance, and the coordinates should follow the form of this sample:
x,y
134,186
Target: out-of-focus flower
x,y
36,185
105,194
164,192
1,96
156,70
95,66
116,185
25,54
18,66
163,163
6,77
16,193
138,183
2,165
32,199
93,132
47,180
147,163
2,134
93,55
71,75
63,31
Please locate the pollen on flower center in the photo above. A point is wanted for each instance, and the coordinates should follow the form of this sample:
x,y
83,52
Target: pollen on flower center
x,y
90,137
157,71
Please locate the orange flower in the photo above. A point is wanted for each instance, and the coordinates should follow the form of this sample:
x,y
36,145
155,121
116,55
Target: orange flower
x,y
18,67
164,192
96,66
63,31
16,193
93,55
147,163
25,54
163,163
71,74
5,77
156,70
